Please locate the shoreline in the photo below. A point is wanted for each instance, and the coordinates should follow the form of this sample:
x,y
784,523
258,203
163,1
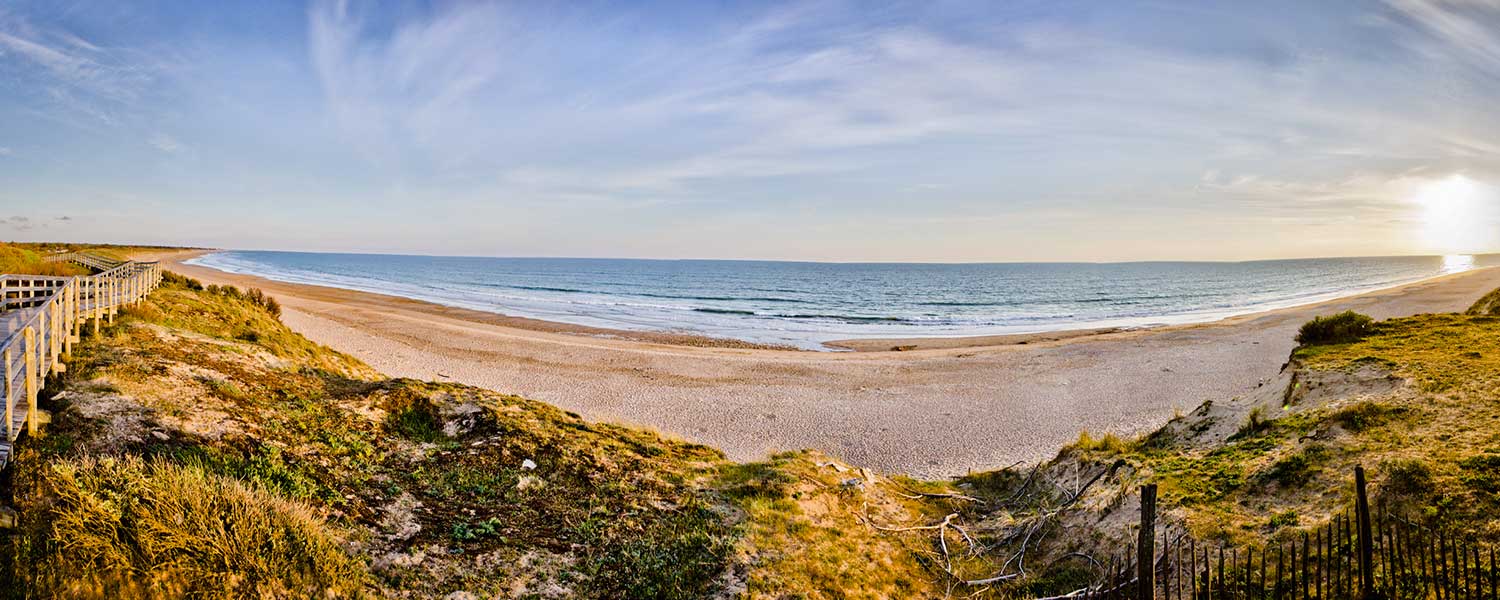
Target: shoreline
x,y
928,412
871,344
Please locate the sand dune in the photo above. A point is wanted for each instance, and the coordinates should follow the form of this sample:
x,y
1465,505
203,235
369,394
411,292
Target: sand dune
x,y
940,409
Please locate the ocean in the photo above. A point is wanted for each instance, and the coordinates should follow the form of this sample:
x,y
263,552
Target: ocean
x,y
804,304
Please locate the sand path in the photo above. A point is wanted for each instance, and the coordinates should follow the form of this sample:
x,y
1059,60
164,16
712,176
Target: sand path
x,y
931,412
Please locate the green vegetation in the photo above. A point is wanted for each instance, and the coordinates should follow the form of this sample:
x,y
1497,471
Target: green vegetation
x,y
1342,328
17,260
341,482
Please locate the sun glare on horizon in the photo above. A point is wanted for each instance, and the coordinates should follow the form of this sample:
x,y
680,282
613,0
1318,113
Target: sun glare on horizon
x,y
1456,215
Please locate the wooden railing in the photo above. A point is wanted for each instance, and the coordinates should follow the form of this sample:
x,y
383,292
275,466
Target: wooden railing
x,y
40,319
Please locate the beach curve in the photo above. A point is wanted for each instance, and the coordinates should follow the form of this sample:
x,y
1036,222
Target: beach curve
x,y
943,408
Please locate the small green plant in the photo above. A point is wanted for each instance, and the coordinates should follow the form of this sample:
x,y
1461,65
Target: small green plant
x,y
1342,328
1284,519
466,532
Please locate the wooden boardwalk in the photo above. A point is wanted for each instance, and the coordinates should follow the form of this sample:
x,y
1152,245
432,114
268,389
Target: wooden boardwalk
x,y
40,319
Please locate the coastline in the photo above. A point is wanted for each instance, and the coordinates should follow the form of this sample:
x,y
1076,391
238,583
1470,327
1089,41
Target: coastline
x,y
944,407
697,340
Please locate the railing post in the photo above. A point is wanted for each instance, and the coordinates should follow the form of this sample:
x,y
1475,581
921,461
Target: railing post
x,y
1146,557
31,391
1366,547
54,343
10,398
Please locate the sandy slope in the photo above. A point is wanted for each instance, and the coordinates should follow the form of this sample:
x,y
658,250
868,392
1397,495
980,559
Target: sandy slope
x,y
928,412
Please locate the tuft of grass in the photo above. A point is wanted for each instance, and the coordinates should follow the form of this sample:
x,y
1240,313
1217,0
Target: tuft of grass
x,y
1283,519
759,480
416,419
1108,444
125,527
1255,423
1342,328
1364,415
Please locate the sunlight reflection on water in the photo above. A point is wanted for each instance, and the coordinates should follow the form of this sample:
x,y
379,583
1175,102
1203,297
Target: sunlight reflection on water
x,y
1457,263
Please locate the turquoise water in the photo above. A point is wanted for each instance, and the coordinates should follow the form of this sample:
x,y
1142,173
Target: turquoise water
x,y
804,304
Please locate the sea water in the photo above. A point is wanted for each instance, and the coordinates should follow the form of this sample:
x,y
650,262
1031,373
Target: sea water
x,y
806,303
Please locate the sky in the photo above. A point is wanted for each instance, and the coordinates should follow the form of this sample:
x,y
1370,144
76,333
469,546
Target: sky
x,y
819,130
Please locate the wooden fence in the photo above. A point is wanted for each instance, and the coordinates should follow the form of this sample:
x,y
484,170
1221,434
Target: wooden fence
x,y
40,319
1359,554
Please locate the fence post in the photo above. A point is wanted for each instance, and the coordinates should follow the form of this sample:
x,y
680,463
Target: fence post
x,y
1366,548
1146,549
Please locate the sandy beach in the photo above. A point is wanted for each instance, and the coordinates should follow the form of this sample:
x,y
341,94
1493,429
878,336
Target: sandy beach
x,y
938,408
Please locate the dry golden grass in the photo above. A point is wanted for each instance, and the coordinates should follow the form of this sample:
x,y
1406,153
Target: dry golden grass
x,y
129,528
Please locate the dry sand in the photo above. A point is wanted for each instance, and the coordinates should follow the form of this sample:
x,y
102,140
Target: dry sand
x,y
943,408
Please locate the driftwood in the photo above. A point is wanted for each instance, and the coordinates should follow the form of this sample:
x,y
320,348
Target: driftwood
x,y
1028,532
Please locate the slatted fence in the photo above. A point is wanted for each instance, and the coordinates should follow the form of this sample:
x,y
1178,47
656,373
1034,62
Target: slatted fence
x,y
1361,553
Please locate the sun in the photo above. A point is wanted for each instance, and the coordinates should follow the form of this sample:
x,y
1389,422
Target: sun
x,y
1458,215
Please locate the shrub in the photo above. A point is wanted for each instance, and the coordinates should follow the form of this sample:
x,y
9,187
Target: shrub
x,y
1365,415
1406,477
1481,473
1342,328
170,278
1297,468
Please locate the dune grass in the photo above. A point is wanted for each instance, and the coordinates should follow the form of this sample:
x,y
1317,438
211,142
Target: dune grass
x,y
126,527
1488,305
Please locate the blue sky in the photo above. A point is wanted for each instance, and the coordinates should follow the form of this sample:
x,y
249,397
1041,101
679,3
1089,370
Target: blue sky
x,y
824,130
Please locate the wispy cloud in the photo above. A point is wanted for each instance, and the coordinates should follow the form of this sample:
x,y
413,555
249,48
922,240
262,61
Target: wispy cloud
x,y
1465,28
58,68
165,143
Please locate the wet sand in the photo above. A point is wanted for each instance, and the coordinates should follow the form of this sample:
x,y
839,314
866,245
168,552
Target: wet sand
x,y
942,407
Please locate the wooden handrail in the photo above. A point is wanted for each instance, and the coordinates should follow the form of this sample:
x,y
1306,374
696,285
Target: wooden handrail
x,y
40,320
